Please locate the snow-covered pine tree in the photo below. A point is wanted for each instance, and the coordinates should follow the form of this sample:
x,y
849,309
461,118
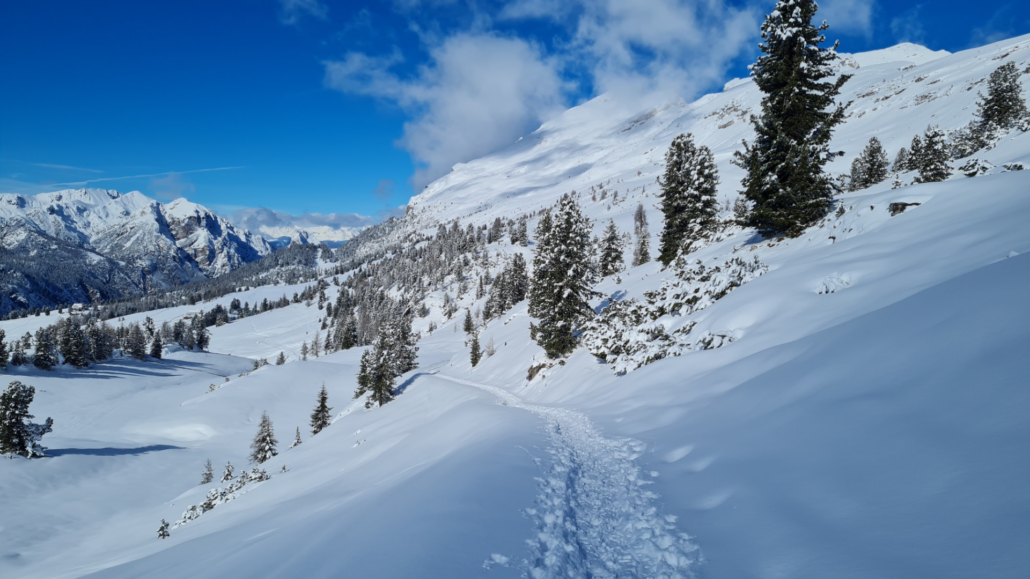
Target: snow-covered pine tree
x,y
902,161
155,347
785,182
933,157
45,355
611,261
316,348
74,347
376,376
280,359
162,530
263,447
4,356
468,326
135,343
490,348
322,415
201,337
642,250
562,277
296,439
403,351
209,473
1004,104
17,434
227,474
688,196
304,351
475,353
349,338
870,167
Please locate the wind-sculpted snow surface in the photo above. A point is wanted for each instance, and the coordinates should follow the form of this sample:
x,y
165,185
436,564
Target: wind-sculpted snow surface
x,y
594,515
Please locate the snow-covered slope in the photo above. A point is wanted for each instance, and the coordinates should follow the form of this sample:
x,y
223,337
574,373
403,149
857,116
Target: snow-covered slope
x,y
868,418
133,242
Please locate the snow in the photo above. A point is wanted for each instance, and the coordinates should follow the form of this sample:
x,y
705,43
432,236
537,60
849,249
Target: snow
x,y
869,418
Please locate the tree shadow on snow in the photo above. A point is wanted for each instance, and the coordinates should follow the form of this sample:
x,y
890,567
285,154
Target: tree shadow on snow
x,y
110,451
404,385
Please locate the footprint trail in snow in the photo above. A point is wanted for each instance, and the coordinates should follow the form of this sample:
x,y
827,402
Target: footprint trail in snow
x,y
594,516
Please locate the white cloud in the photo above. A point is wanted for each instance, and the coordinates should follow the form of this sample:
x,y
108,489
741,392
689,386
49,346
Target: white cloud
x,y
477,93
908,26
257,217
292,10
172,186
850,16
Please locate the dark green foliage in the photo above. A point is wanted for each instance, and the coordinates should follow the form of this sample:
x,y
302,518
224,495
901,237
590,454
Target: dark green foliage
x,y
468,326
611,261
785,182
375,376
688,196
45,355
4,356
280,359
475,353
562,277
263,447
870,167
73,346
931,156
135,343
17,434
162,530
902,162
322,415
1003,105
155,347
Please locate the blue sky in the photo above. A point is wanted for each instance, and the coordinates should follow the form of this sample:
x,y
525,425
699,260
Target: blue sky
x,y
323,106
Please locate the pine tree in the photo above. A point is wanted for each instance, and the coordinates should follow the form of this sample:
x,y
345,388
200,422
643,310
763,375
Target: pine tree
x,y
44,356
901,161
296,439
135,344
611,261
468,327
162,531
281,359
933,157
376,376
263,447
688,196
642,251
562,277
304,351
476,354
1003,105
74,347
315,345
155,347
209,473
349,339
4,356
227,474
785,182
17,434
403,351
322,415
870,167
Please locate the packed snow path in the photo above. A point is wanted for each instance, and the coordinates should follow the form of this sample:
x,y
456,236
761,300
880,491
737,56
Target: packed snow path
x,y
594,516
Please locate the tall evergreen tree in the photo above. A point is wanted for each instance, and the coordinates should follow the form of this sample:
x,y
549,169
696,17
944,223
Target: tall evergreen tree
x,y
74,347
468,326
263,447
642,250
932,161
870,167
1004,103
227,474
135,343
155,347
611,261
901,161
208,475
562,277
475,353
322,415
403,351
688,196
4,356
17,434
280,359
376,376
45,355
785,182
296,439
304,351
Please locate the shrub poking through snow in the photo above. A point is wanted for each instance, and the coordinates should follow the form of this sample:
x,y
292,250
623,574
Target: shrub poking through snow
x,y
162,531
630,334
227,474
218,496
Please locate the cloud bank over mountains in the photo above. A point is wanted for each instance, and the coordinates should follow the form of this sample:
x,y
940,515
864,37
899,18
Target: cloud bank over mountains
x,y
280,228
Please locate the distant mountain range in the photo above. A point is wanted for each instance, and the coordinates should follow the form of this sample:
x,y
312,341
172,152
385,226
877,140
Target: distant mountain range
x,y
281,229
